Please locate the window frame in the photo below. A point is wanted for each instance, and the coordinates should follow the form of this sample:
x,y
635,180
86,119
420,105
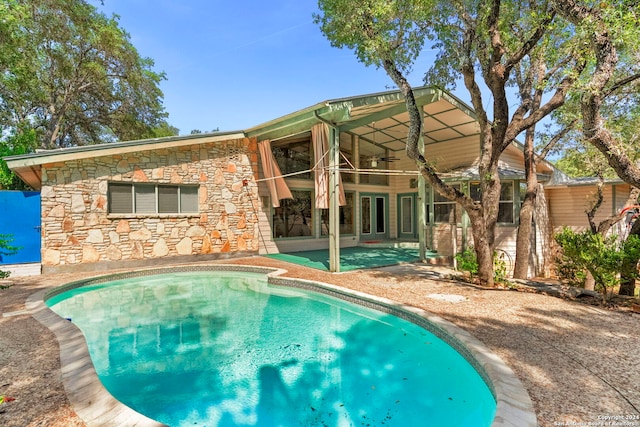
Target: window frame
x,y
133,206
323,213
444,202
284,205
505,204
287,161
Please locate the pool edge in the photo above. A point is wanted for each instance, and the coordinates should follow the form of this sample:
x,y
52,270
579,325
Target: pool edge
x,y
88,397
96,406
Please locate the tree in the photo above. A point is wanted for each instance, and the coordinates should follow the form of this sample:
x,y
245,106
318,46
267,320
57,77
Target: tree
x,y
482,43
472,37
610,37
71,74
532,76
19,141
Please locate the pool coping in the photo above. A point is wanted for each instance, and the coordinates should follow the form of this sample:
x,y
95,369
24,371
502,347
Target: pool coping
x,y
96,406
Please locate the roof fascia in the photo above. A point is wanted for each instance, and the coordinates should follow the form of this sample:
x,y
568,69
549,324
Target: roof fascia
x,y
99,150
338,111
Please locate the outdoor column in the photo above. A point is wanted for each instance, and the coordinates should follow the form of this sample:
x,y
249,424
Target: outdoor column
x,y
422,199
334,199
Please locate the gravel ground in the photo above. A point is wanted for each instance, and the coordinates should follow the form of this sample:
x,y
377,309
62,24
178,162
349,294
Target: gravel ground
x,y
580,364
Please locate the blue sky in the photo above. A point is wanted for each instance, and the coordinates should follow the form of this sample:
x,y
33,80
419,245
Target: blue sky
x,y
235,64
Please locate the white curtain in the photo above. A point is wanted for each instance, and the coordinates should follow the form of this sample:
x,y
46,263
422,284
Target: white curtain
x,y
320,140
273,177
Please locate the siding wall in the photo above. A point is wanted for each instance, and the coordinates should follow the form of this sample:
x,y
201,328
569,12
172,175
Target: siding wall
x,y
567,205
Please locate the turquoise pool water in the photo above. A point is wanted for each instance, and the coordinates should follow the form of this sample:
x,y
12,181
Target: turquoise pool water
x,y
227,349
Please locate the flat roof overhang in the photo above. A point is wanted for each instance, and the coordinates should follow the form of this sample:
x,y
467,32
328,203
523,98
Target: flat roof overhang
x,y
381,117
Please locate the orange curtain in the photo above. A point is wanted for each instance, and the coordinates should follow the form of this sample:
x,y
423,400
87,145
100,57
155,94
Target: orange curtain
x,y
320,140
273,177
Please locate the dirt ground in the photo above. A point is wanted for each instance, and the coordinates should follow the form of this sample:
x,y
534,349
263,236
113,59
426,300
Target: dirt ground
x,y
579,362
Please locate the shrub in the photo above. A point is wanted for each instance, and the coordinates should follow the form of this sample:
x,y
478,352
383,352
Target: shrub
x,y
466,261
602,256
6,249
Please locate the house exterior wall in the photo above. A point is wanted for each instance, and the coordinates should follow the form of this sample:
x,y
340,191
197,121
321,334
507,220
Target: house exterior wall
x,y
78,230
567,205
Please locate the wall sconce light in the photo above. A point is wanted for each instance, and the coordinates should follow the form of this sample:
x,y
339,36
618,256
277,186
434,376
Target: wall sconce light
x,y
374,162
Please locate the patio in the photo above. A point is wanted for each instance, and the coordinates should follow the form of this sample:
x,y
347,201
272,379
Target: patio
x,y
356,257
578,362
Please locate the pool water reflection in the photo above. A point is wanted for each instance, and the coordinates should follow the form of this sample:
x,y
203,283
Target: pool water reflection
x,y
227,349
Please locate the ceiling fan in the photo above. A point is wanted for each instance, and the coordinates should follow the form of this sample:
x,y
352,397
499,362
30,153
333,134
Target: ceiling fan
x,y
375,159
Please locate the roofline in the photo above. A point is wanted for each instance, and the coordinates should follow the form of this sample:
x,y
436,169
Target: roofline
x,y
333,110
575,183
80,152
312,112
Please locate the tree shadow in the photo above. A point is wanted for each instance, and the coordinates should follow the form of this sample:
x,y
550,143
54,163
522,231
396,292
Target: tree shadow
x,y
578,356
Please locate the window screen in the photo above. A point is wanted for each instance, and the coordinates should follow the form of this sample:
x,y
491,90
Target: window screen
x,y
188,199
150,198
168,199
145,196
120,198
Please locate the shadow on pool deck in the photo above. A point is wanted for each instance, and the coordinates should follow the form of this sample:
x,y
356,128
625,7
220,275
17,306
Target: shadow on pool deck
x,y
354,258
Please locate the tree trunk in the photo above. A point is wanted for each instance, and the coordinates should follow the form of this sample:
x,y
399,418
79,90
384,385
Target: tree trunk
x,y
523,239
629,268
484,251
590,282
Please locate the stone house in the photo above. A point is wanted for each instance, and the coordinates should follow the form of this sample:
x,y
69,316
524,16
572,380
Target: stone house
x,y
329,176
135,202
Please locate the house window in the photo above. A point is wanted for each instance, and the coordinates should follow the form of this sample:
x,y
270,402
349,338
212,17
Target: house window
x,y
127,198
505,210
346,157
347,213
294,216
442,207
294,156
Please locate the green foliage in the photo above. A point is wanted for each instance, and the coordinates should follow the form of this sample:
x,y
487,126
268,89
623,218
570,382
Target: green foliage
x,y
72,74
20,141
601,256
466,261
377,30
491,47
500,267
6,249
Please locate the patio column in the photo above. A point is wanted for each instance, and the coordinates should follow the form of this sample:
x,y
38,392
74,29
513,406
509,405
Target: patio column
x,y
334,199
422,199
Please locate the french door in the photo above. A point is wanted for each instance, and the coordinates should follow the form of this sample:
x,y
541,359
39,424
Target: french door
x,y
374,214
407,216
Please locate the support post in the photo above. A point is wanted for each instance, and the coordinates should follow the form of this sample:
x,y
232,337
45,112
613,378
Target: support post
x,y
422,199
334,199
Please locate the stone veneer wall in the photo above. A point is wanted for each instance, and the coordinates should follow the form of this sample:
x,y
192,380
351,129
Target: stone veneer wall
x,y
77,229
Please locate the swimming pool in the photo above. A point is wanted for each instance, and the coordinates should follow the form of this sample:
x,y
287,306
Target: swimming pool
x,y
242,352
